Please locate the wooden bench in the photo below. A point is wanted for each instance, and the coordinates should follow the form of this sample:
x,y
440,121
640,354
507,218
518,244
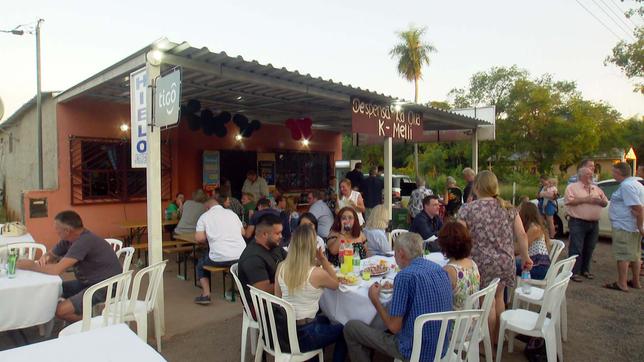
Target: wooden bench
x,y
182,251
224,270
143,247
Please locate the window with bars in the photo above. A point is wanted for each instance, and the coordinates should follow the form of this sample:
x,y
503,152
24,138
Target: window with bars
x,y
101,172
299,171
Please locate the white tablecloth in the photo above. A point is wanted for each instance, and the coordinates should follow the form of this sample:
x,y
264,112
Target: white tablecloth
x,y
354,304
27,300
4,240
110,344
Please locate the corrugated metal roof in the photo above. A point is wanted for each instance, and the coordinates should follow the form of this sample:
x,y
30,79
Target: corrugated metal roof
x,y
265,92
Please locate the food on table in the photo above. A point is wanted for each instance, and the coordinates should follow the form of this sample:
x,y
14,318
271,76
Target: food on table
x,y
378,269
388,285
348,279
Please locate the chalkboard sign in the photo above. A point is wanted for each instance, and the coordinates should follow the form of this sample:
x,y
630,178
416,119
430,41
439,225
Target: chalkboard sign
x,y
302,170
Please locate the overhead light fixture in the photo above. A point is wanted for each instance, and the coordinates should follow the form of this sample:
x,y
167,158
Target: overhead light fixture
x,y
124,127
397,107
238,137
305,142
155,57
239,98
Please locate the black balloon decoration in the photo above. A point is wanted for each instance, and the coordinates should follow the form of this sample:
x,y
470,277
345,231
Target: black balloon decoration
x,y
246,128
193,106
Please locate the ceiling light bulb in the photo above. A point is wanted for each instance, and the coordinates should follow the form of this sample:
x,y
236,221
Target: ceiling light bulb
x,y
155,57
305,142
238,137
124,127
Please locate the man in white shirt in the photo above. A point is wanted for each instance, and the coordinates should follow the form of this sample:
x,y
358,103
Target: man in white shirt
x,y
223,230
321,211
255,185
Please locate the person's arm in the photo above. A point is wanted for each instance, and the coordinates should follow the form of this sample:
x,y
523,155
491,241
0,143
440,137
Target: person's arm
x,y
263,188
522,241
421,227
333,244
446,197
534,232
200,236
278,289
571,200
451,272
51,269
250,230
360,204
638,212
324,277
48,257
601,200
256,273
393,324
200,233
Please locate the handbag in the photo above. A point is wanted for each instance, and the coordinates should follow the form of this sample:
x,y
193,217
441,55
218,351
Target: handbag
x,y
13,229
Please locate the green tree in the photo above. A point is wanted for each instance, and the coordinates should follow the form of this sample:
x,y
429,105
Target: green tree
x,y
629,57
412,54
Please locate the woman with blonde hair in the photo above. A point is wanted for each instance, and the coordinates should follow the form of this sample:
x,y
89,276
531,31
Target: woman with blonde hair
x,y
494,224
301,283
374,230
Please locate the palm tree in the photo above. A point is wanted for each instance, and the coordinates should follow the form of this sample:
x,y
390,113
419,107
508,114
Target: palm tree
x,y
412,55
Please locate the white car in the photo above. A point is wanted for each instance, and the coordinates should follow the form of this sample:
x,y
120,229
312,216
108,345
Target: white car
x,y
605,228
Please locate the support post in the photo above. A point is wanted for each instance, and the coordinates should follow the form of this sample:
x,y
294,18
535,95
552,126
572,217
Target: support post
x,y
388,172
475,150
39,108
153,181
416,160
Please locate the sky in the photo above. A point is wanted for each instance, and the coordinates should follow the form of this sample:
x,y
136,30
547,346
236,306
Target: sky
x,y
347,41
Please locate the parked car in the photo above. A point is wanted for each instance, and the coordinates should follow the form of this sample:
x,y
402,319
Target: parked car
x,y
400,187
605,228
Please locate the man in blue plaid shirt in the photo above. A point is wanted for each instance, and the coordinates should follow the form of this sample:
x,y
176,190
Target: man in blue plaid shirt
x,y
421,287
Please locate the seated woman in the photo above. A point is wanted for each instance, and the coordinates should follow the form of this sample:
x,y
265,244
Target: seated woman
x,y
538,240
346,227
300,282
192,209
309,219
374,230
456,244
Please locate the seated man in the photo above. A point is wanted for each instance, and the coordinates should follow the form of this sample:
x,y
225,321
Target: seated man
x,y
421,287
428,223
223,230
91,256
321,211
263,208
258,262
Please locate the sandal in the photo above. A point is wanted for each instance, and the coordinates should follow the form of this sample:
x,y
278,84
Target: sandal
x,y
615,286
588,275
631,285
576,278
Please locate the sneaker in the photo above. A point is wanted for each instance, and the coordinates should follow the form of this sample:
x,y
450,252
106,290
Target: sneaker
x,y
228,296
203,299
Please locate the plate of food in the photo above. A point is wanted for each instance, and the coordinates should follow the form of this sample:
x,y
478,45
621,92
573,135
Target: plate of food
x,y
378,269
387,286
348,279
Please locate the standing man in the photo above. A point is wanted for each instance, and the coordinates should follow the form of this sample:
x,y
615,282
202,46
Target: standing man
x,y
322,213
421,287
428,223
587,163
584,202
331,194
356,177
372,191
627,219
258,262
255,185
417,197
468,175
92,258
222,230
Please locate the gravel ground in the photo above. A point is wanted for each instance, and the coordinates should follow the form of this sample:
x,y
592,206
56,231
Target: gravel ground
x,y
603,324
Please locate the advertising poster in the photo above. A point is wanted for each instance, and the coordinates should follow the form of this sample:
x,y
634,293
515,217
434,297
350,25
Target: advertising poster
x,y
266,169
210,170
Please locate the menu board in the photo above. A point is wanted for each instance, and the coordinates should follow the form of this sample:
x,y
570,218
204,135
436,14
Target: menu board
x,y
211,169
266,169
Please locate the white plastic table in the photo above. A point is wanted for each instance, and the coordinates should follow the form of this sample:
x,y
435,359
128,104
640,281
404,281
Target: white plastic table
x,y
28,300
353,304
115,343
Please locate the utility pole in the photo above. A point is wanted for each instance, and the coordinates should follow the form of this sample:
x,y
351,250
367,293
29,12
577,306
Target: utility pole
x,y
39,106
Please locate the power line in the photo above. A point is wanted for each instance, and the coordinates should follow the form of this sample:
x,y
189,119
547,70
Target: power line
x,y
627,31
620,10
618,15
599,20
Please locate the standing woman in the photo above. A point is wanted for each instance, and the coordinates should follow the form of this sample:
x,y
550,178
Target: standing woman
x,y
301,283
346,228
351,198
539,243
453,198
494,225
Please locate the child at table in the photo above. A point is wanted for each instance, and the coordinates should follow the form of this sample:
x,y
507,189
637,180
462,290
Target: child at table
x,y
456,244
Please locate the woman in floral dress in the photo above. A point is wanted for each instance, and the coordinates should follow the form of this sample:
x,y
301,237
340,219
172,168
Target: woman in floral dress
x,y
456,244
494,225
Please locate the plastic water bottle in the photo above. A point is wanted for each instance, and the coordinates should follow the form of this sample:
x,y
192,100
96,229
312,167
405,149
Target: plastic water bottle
x,y
525,285
356,259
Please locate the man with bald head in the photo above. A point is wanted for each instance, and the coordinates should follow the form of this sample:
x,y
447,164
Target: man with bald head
x,y
584,202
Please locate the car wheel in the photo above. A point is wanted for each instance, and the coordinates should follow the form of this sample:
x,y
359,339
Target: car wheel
x,y
559,230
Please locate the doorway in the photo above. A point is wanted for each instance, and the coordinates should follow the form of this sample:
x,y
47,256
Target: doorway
x,y
234,165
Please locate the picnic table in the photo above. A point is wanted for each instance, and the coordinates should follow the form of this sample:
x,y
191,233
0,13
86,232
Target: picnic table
x,y
136,229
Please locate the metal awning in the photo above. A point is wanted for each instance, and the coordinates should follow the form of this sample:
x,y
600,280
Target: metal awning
x,y
264,92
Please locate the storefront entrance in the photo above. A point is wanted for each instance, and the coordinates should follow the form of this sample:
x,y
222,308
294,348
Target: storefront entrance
x,y
234,165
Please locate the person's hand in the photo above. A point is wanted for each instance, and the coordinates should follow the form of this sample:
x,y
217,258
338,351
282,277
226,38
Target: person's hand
x,y
527,263
319,254
42,261
374,292
250,213
25,264
642,230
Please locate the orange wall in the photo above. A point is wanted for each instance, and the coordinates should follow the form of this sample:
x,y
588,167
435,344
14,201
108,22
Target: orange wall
x,y
88,118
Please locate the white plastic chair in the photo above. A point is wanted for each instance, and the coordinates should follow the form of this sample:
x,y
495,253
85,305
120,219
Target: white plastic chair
x,y
394,235
472,302
114,312
462,323
537,324
249,325
536,294
264,304
127,259
27,249
138,310
116,244
555,250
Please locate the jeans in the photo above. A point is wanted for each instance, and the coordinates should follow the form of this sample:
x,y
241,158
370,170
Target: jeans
x,y
206,261
321,333
583,238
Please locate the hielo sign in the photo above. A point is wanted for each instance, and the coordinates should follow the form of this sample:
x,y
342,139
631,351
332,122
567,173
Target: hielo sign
x,y
382,120
167,98
139,118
